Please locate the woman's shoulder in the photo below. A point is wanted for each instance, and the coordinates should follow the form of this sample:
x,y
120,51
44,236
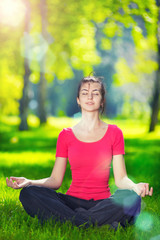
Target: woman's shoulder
x,y
65,131
114,128
65,134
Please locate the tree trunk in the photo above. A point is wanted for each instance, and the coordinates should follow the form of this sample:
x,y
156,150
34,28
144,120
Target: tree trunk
x,y
155,103
42,81
156,95
25,97
42,98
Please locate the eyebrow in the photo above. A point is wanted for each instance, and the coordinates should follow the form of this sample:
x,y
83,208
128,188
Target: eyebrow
x,y
84,89
96,90
92,91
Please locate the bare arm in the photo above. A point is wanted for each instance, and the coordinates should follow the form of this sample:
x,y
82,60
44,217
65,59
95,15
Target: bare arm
x,y
122,181
54,181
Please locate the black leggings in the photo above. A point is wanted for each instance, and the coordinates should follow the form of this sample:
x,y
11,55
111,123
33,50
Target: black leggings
x,y
122,207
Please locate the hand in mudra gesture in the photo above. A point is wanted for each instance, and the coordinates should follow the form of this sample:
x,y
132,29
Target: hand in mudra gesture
x,y
142,189
17,182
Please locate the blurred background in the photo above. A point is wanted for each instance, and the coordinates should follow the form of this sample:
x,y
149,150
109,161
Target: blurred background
x,y
48,46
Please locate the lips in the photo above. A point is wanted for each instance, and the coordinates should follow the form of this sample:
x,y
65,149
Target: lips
x,y
89,103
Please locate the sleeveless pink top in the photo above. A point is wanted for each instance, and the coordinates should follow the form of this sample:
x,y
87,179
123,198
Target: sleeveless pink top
x,y
90,161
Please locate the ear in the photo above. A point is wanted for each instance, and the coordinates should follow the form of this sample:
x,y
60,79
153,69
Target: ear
x,y
78,101
103,102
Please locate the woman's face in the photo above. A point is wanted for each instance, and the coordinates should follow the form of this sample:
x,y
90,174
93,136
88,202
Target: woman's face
x,y
90,98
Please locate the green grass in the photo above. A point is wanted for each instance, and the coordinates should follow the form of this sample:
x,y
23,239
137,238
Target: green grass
x,y
31,154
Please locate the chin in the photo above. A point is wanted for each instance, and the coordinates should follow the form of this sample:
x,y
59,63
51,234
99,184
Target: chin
x,y
91,109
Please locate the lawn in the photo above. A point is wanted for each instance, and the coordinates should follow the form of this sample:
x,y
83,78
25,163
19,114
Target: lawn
x,y
32,153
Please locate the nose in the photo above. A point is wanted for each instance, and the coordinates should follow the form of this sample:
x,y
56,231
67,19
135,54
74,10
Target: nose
x,y
90,95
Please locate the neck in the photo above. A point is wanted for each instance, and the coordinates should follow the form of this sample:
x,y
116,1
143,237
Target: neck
x,y
90,120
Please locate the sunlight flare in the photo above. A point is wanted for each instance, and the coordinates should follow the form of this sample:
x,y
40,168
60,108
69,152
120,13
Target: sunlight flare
x,y
12,12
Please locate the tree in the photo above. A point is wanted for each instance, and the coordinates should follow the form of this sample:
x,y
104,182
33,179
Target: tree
x,y
74,38
72,44
156,92
42,81
25,95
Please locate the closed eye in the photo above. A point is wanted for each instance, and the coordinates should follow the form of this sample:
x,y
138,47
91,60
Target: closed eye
x,y
95,93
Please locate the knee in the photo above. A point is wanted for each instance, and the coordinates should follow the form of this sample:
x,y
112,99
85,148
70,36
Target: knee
x,y
136,198
132,204
26,193
132,199
127,198
28,200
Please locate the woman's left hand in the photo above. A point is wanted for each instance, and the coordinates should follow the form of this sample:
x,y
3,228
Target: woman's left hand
x,y
142,189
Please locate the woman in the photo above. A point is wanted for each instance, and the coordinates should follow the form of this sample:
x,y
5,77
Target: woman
x,y
90,146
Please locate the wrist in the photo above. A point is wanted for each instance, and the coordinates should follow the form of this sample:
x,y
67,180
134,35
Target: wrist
x,y
30,183
134,186
135,189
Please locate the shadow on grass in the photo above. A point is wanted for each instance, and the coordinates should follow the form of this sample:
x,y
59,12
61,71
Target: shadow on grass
x,y
13,143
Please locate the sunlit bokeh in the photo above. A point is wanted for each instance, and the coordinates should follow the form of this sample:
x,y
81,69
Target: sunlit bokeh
x,y
14,140
145,221
12,12
33,121
35,47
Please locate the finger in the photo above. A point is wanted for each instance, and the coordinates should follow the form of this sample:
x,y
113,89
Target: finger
x,y
9,184
14,178
22,185
17,179
7,181
151,191
143,192
147,188
15,185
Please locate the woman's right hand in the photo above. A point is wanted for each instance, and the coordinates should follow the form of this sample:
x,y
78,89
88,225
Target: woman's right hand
x,y
17,182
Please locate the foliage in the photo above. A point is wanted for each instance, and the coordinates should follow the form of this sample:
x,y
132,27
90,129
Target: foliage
x,y
71,43
11,71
